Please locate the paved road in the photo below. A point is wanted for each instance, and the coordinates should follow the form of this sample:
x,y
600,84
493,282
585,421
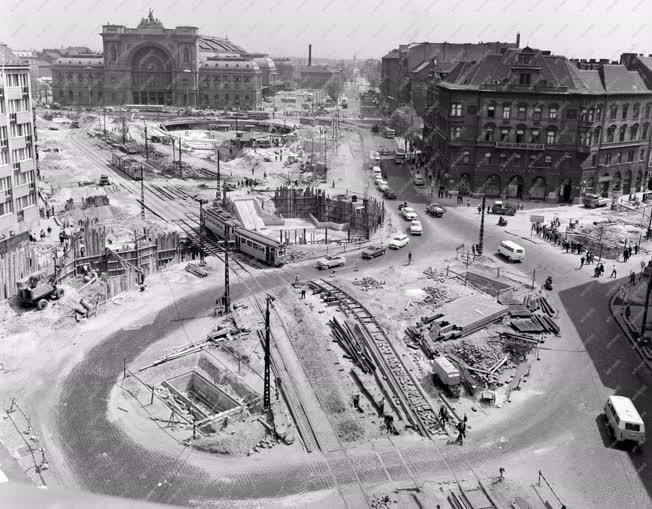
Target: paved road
x,y
560,428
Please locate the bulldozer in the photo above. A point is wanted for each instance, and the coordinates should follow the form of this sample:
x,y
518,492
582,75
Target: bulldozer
x,y
37,289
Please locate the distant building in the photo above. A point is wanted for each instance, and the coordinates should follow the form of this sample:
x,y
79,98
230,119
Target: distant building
x,y
397,65
526,124
151,64
287,73
268,70
316,76
19,212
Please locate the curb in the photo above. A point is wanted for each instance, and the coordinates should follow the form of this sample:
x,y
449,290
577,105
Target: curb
x,y
627,332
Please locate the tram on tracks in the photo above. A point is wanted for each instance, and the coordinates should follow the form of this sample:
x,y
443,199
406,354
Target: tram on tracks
x,y
127,165
225,226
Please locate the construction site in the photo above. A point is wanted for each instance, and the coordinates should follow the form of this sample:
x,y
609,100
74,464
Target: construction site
x,y
176,275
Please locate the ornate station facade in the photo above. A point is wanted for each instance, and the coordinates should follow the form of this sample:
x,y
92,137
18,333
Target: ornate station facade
x,y
154,65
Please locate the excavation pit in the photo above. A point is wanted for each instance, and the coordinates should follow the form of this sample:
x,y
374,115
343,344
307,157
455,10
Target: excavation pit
x,y
204,399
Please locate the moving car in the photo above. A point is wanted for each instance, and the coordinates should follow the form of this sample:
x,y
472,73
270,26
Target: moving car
x,y
330,261
373,251
624,421
511,250
389,194
435,210
593,201
419,180
415,227
408,213
398,241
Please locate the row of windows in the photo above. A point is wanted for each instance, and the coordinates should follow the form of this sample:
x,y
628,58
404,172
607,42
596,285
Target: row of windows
x,y
13,80
21,179
489,158
20,154
16,130
625,111
619,157
507,111
3,132
521,134
16,105
21,203
591,114
606,158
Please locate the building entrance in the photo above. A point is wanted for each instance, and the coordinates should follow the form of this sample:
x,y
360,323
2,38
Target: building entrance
x,y
162,98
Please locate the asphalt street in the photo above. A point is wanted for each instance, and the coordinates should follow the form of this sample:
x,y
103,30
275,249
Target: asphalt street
x,y
562,428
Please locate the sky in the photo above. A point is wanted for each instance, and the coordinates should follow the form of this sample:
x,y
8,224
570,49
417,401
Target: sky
x,y
342,28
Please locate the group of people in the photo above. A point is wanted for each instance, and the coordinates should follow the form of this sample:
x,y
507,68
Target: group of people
x,y
42,234
444,417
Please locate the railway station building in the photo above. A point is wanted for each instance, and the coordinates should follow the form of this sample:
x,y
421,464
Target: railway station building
x,y
151,64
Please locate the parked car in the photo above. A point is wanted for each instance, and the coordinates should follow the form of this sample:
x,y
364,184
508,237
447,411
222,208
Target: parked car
x,y
398,241
415,227
380,181
377,170
408,213
373,251
385,152
389,194
435,210
383,187
330,261
504,209
419,180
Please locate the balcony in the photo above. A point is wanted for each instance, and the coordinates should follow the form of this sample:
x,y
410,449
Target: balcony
x,y
17,142
520,146
23,117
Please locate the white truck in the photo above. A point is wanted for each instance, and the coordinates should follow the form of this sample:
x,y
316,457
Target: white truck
x,y
444,373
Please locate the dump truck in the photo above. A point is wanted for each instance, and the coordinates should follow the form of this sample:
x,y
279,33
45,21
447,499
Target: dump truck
x,y
446,375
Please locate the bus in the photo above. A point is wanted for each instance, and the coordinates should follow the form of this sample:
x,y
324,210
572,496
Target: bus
x,y
399,151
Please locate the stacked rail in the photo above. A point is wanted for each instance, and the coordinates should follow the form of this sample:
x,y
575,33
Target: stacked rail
x,y
407,392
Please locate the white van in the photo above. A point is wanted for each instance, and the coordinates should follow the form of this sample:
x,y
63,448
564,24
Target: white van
x,y
511,250
377,170
624,420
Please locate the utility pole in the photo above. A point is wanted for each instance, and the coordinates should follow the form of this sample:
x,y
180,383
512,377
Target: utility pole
x,y
267,389
227,288
104,112
202,224
217,189
146,146
179,160
481,241
647,301
142,194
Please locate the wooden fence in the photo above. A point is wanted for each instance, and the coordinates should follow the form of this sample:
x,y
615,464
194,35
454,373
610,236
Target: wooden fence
x,y
19,263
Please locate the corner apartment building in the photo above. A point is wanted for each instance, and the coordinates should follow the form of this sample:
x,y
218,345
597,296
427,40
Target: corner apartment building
x,y
19,212
526,124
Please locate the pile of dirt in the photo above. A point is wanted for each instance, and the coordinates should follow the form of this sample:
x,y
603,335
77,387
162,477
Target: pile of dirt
x,y
368,282
348,430
294,254
434,274
238,439
480,356
435,295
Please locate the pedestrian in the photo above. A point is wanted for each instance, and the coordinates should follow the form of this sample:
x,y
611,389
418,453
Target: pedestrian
x,y
252,170
468,203
296,279
581,262
632,277
613,272
479,209
356,401
381,407
443,415
49,230
303,293
409,257
636,249
628,312
473,249
501,476
601,268
62,237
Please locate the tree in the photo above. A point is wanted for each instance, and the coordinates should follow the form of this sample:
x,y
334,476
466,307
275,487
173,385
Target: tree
x,y
407,124
334,86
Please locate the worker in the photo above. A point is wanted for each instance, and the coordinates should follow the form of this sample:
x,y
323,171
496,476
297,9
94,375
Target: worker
x,y
356,401
381,407
303,293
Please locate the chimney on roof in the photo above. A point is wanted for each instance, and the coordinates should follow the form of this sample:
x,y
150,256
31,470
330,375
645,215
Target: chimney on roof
x,y
518,39
309,55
